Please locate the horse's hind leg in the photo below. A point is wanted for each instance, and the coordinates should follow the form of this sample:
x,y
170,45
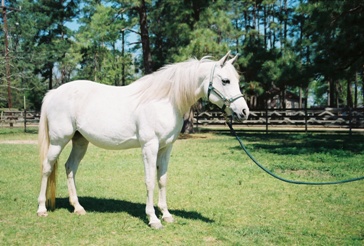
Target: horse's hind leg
x,y
79,147
47,167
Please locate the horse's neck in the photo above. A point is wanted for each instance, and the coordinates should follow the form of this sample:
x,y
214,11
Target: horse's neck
x,y
202,75
205,71
200,79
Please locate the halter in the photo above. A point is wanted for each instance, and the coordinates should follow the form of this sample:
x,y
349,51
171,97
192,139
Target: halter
x,y
227,102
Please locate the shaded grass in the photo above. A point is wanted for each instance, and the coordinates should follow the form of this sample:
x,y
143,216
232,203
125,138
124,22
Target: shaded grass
x,y
311,155
217,195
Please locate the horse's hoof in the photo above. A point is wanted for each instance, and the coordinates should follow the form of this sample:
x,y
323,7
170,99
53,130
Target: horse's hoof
x,y
42,214
80,212
168,219
156,225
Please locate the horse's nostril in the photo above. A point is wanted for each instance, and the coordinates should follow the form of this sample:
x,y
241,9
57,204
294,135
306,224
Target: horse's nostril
x,y
244,111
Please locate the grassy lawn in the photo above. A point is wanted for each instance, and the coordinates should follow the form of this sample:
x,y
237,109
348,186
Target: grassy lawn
x,y
217,195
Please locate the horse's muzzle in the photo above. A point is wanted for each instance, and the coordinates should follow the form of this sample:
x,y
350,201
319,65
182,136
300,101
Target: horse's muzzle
x,y
241,116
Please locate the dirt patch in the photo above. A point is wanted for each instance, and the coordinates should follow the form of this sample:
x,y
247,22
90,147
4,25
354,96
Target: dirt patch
x,y
18,141
189,136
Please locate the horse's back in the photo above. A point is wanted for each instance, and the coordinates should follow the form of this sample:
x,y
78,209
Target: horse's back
x,y
77,90
103,114
110,117
69,98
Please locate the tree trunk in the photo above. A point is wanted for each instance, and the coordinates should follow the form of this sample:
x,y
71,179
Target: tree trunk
x,y
285,19
362,80
147,56
188,122
332,89
356,90
265,25
50,74
254,21
188,118
349,97
283,97
123,79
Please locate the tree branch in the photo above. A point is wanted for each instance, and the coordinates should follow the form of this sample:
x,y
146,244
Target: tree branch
x,y
139,42
130,30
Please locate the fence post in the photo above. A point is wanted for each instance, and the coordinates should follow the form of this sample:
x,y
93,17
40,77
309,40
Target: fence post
x,y
350,130
306,116
198,129
266,116
25,115
25,120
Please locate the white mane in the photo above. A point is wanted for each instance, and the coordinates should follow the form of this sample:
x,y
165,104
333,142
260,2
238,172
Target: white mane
x,y
177,82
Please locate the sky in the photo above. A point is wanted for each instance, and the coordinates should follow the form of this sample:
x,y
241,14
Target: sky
x,y
131,37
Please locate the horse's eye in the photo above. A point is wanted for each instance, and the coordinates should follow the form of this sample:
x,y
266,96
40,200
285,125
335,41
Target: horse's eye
x,y
225,81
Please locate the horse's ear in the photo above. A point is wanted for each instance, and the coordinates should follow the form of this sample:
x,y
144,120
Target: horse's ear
x,y
232,60
224,59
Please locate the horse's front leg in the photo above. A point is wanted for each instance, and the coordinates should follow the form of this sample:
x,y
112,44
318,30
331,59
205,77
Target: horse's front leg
x,y
162,166
150,151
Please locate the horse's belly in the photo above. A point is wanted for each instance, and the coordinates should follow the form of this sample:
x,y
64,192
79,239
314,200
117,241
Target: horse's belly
x,y
113,143
117,145
109,138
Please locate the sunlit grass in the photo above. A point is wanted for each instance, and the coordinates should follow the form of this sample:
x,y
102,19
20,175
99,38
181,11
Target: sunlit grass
x,y
218,196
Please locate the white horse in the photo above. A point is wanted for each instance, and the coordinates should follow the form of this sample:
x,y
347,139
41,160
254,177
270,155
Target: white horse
x,y
147,113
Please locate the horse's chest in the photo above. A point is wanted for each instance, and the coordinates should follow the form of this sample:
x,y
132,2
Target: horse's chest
x,y
161,121
165,132
169,139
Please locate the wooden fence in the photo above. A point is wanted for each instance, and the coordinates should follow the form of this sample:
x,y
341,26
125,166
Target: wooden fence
x,y
300,118
10,117
344,118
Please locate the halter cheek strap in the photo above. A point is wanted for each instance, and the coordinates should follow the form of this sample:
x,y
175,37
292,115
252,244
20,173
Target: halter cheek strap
x,y
227,102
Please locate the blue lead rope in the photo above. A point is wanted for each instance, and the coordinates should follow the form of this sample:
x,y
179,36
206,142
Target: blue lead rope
x,y
278,177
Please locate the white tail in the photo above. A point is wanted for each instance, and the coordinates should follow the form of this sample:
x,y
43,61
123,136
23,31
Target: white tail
x,y
43,143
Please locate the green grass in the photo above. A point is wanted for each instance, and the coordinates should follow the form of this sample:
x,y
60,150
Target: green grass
x,y
218,196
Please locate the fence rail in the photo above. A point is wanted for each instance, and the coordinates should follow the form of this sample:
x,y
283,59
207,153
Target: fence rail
x,y
15,116
320,117
307,118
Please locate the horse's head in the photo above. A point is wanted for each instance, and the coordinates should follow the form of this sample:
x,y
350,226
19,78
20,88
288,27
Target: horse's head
x,y
224,89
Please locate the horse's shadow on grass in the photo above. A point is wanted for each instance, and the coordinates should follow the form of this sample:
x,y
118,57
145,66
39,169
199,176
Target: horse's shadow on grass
x,y
137,210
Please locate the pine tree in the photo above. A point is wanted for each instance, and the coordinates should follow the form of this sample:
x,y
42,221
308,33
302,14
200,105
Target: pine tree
x,y
336,32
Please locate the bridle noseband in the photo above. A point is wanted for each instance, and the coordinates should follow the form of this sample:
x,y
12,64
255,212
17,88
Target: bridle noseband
x,y
227,102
